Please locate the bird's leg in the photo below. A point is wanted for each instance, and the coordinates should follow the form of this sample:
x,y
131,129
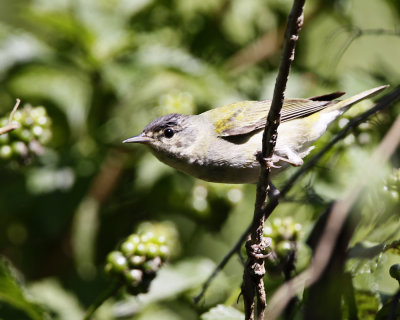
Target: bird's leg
x,y
294,161
269,162
258,250
291,158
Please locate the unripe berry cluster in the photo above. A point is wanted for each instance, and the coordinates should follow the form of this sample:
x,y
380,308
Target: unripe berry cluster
x,y
284,234
392,186
139,258
28,139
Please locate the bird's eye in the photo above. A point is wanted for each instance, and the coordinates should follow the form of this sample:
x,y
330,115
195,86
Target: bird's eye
x,y
168,133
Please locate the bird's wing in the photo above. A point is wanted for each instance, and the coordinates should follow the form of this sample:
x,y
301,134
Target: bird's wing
x,y
248,116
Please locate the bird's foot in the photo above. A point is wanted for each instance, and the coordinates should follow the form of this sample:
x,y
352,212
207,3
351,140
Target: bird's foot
x,y
257,251
268,162
292,159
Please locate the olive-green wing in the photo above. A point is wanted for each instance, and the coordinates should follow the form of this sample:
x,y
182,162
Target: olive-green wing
x,y
247,116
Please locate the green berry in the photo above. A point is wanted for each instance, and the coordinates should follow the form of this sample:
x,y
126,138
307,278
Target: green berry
x,y
394,271
4,138
152,266
37,131
134,238
5,152
147,237
19,148
137,261
161,240
128,248
283,248
45,136
38,112
163,252
42,121
28,121
117,261
18,116
297,227
23,134
141,249
268,231
133,277
276,223
152,250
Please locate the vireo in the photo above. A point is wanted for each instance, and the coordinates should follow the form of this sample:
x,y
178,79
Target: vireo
x,y
220,145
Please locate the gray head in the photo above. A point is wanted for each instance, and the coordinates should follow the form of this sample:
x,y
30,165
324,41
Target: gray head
x,y
169,134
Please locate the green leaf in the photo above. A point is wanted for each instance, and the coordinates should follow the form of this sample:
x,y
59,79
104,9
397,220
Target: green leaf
x,y
222,312
365,250
367,304
62,302
12,292
171,281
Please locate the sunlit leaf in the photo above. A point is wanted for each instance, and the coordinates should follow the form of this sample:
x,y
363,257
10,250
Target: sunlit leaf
x,y
13,293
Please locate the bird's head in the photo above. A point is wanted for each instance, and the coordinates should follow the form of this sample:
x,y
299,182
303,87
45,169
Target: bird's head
x,y
169,135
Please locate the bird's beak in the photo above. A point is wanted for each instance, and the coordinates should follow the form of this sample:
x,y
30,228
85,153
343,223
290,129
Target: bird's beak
x,y
140,138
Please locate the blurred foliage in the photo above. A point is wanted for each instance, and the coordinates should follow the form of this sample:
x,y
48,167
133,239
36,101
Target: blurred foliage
x,y
102,70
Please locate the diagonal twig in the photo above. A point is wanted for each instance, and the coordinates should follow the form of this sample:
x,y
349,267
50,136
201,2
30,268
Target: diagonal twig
x,y
10,126
357,32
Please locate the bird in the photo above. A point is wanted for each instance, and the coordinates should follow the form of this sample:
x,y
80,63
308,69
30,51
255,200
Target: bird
x,y
222,144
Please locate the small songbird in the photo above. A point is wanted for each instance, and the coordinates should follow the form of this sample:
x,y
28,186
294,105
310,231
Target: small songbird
x,y
220,145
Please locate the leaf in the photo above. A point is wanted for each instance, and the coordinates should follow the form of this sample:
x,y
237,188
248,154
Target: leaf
x,y
56,84
367,304
12,292
64,303
171,281
84,234
365,250
222,312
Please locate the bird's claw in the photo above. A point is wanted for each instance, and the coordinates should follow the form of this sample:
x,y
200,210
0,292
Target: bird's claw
x,y
269,162
257,250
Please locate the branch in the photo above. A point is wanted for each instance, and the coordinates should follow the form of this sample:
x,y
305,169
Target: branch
x,y
334,224
357,32
10,126
385,102
253,285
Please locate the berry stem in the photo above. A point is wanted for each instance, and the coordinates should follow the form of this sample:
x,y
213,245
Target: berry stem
x,y
10,126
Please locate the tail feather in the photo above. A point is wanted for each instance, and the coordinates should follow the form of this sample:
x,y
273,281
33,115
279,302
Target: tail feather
x,y
326,116
347,103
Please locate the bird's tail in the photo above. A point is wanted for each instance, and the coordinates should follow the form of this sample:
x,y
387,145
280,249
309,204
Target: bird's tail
x,y
345,104
321,120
